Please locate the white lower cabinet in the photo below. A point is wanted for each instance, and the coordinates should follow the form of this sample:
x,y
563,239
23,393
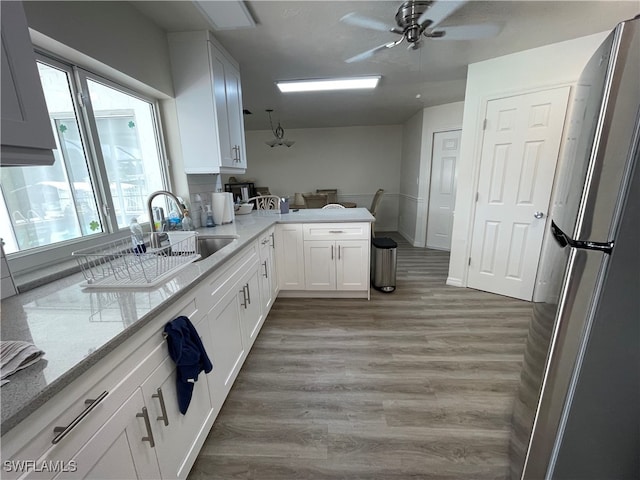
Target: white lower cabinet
x,y
269,286
178,437
224,346
341,265
251,315
121,448
290,256
324,257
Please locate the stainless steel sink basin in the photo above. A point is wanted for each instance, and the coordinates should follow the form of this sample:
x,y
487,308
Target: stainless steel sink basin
x,y
208,245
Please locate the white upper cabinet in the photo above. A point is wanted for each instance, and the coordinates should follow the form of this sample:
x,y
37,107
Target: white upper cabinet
x,y
209,104
27,138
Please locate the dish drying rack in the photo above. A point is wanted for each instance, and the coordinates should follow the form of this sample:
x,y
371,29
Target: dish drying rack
x,y
119,264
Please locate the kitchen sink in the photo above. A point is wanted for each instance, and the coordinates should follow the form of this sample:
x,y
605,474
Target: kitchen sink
x,y
208,245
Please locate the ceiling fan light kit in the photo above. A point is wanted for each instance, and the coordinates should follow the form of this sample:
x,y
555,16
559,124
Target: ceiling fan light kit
x,y
278,133
329,84
417,19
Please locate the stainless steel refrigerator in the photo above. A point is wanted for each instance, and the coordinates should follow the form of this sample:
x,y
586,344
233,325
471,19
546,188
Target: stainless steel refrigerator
x,y
577,413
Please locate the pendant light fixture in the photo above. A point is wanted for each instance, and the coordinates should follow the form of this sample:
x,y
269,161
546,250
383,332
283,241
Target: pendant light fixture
x,y
278,133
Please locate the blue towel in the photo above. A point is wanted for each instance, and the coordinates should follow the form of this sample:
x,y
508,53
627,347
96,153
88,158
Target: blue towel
x,y
187,351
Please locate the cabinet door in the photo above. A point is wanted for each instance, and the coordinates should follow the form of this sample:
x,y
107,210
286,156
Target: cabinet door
x,y
251,307
290,256
178,437
191,68
275,285
25,119
319,265
352,265
219,66
236,121
120,448
227,349
268,279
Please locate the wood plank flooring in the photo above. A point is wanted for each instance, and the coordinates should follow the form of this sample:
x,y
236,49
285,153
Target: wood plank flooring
x,y
416,384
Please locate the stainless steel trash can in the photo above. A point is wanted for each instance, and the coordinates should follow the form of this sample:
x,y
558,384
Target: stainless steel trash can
x,y
383,264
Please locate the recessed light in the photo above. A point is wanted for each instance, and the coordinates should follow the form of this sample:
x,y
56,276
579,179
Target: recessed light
x,y
328,84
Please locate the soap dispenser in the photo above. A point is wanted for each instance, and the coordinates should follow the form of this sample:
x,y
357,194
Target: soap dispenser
x,y
187,223
209,222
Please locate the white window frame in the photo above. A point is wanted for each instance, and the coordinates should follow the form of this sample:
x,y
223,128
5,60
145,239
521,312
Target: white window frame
x,y
50,255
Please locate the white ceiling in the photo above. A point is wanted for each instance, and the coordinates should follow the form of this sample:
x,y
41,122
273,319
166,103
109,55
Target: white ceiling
x,y
305,39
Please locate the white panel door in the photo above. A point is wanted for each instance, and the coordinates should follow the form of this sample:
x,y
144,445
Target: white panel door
x,y
320,264
352,266
442,192
120,448
519,154
290,256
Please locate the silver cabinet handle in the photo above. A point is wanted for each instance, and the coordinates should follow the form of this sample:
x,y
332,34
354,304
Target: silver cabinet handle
x,y
149,437
338,252
164,417
244,297
273,241
331,252
266,273
248,294
336,231
91,404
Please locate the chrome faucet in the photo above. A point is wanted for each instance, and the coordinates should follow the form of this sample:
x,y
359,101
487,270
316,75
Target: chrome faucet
x,y
155,242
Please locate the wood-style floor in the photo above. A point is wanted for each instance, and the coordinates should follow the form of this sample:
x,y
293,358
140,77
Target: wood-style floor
x,y
416,384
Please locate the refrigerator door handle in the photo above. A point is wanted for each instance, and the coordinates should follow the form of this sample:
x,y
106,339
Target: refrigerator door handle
x,y
563,240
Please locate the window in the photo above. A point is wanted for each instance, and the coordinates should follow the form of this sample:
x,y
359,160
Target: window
x,y
108,160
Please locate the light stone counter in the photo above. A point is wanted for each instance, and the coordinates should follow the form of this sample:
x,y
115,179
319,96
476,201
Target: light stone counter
x,y
76,327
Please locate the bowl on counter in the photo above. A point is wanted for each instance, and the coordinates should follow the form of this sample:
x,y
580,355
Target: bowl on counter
x,y
244,208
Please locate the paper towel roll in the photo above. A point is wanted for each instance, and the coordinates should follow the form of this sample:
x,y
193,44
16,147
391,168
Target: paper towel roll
x,y
218,203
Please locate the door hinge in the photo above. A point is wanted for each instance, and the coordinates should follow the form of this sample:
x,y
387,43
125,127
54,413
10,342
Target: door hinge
x,y
469,260
477,196
484,124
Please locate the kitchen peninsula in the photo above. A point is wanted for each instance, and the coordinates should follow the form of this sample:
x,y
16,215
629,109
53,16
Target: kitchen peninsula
x,y
110,340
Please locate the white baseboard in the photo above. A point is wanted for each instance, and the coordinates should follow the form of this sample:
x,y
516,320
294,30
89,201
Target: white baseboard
x,y
454,282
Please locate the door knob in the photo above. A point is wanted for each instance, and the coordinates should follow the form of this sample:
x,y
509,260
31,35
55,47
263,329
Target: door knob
x,y
538,215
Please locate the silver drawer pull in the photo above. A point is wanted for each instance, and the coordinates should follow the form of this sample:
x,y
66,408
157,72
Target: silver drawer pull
x,y
91,404
149,437
164,417
336,231
266,273
248,294
244,296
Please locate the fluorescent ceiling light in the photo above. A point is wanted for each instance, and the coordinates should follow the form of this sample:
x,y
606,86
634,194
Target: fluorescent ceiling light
x,y
227,15
328,84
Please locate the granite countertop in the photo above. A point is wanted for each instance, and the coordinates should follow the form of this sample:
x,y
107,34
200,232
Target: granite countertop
x,y
76,326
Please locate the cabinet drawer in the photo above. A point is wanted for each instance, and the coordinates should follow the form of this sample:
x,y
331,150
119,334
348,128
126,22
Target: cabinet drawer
x,y
336,231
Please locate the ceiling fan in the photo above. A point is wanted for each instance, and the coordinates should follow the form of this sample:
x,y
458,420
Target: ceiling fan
x,y
416,19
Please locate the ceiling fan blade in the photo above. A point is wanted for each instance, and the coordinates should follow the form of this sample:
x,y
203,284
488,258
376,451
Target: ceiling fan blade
x,y
437,12
358,20
369,53
467,32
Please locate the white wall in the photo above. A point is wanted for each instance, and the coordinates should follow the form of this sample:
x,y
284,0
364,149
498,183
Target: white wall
x,y
415,178
116,36
115,40
530,70
355,160
409,201
436,119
